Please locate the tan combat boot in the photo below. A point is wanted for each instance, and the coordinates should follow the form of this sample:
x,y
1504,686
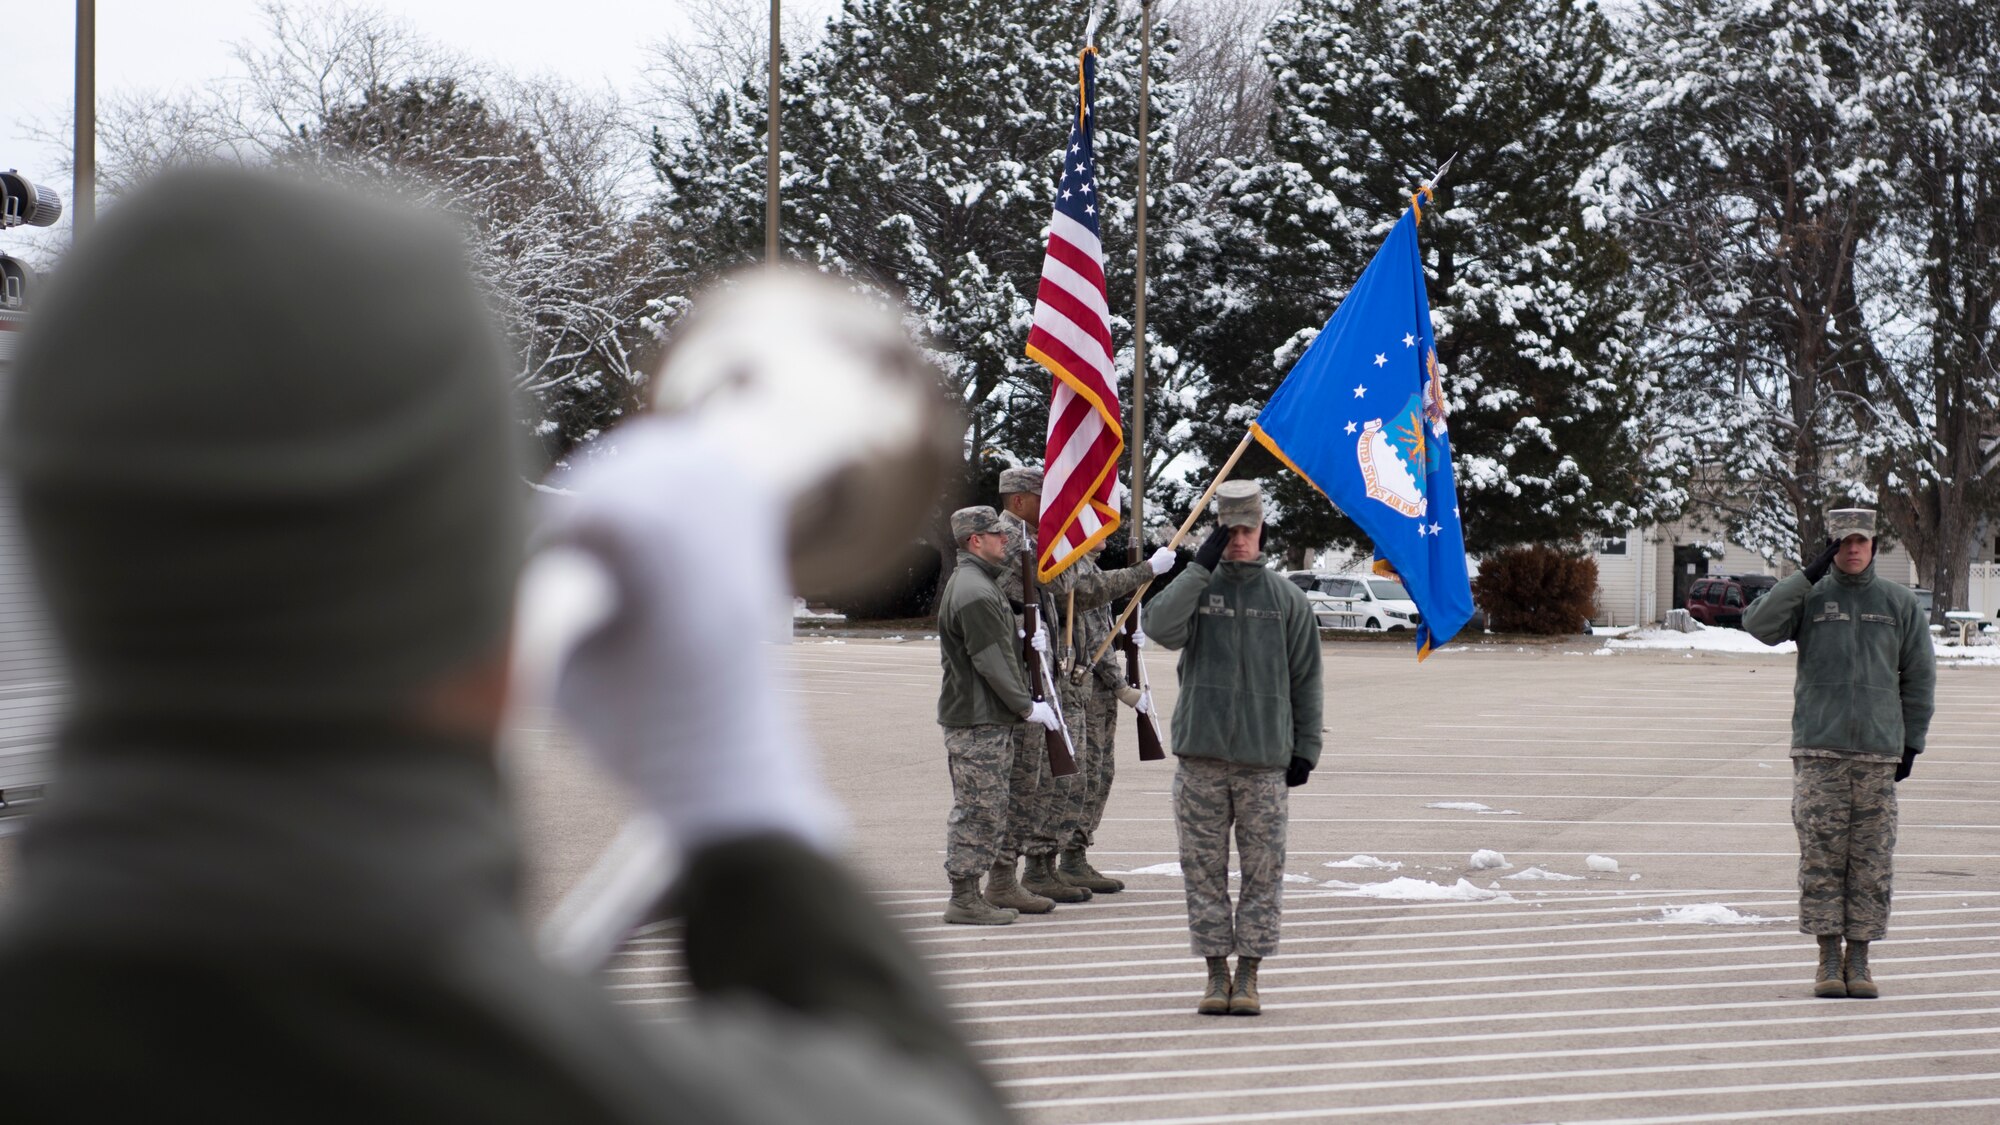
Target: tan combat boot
x,y
1831,981
1215,1001
1854,971
1243,994
1076,869
1003,890
1042,879
968,909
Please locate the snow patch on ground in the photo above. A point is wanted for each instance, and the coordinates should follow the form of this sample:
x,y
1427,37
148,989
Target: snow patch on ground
x,y
1408,889
1174,869
801,613
1486,859
1600,863
1471,807
1538,873
1703,639
1974,653
1367,862
1709,914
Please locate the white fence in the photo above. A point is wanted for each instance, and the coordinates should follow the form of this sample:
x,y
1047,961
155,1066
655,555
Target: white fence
x,y
1982,589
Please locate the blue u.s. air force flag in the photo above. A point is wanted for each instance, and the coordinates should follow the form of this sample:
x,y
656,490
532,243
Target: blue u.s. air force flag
x,y
1361,417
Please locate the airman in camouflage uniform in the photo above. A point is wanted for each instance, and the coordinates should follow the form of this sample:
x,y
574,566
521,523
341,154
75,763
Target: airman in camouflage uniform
x,y
985,698
1104,688
1041,806
1861,706
1245,729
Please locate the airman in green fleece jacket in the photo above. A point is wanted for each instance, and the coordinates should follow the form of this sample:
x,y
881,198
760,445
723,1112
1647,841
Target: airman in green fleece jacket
x,y
1860,708
1246,729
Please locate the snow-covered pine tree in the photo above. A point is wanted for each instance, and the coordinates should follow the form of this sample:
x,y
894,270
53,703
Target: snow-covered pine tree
x,y
920,145
1936,272
1750,175
1531,306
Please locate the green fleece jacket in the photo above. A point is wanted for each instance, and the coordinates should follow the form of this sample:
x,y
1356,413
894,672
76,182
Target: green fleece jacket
x,y
1249,666
984,679
1867,672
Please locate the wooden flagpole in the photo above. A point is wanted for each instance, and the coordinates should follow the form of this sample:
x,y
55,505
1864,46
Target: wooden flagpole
x,y
1200,506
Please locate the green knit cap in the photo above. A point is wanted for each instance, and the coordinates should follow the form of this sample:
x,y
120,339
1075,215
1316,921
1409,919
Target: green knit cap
x,y
266,455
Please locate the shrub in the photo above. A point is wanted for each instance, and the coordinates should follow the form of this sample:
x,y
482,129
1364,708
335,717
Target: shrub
x,y
1536,590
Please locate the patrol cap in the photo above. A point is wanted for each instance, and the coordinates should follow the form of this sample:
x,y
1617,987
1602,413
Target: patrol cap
x,y
1843,522
1239,503
1022,479
972,521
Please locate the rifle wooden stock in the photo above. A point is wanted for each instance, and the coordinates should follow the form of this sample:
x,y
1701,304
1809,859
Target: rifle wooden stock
x,y
1062,756
1151,749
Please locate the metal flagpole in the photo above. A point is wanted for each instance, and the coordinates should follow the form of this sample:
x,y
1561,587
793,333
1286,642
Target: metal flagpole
x,y
83,185
771,158
1138,443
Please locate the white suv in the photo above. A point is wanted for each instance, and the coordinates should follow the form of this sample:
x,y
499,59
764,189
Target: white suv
x,y
1357,601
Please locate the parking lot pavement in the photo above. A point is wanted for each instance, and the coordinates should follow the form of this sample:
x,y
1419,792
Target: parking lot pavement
x,y
1674,988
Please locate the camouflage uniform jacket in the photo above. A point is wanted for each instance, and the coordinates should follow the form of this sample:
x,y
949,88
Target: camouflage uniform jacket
x,y
1093,587
1249,666
1867,672
1092,626
984,681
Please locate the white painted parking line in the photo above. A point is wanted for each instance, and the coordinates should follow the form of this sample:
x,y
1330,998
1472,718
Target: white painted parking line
x,y
1205,1031
1801,966
1829,1112
1798,979
1901,1036
1402,962
1437,1107
1209,1048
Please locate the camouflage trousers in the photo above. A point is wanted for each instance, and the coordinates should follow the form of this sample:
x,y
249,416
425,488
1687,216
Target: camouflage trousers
x,y
1097,765
1211,797
1845,811
1043,809
979,757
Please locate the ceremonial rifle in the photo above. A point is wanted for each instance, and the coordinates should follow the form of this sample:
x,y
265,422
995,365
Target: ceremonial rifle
x,y
1062,756
1150,747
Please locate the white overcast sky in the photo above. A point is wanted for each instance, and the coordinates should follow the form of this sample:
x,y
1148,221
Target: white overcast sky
x,y
169,44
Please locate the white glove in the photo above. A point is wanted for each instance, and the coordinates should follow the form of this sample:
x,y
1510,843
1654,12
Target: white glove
x,y
1043,714
1145,706
1041,641
1128,695
1162,561
1138,634
679,691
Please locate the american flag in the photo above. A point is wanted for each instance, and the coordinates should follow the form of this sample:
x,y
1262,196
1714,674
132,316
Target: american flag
x,y
1071,336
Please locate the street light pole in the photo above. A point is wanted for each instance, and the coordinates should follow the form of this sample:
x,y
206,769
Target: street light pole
x,y
83,188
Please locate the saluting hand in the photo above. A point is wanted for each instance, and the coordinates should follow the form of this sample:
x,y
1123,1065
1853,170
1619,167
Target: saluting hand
x,y
1816,569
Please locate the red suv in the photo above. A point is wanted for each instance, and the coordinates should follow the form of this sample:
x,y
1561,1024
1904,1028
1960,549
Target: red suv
x,y
1719,598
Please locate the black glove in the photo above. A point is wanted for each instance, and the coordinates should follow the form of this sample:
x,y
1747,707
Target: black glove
x,y
1295,774
1816,569
1209,554
1903,770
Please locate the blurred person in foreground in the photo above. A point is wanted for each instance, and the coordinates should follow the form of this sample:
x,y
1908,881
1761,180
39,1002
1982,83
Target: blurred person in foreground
x,y
267,467
1861,706
1246,731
